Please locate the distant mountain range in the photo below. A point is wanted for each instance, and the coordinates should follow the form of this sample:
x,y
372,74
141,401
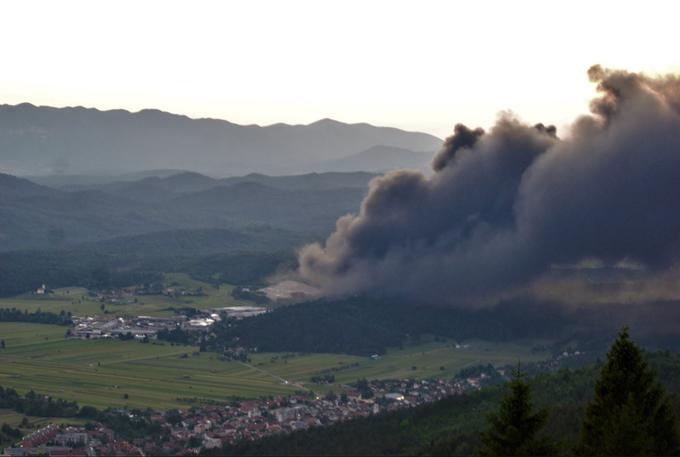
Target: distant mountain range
x,y
44,140
33,215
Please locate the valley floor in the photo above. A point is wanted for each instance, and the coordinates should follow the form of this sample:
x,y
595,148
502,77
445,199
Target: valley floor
x,y
115,373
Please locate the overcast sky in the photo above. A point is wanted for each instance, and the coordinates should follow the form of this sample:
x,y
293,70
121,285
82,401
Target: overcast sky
x,y
419,65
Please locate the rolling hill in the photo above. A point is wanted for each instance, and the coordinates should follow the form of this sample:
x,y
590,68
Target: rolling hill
x,y
380,159
38,217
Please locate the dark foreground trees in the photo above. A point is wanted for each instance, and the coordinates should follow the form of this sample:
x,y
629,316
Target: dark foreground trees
x,y
630,413
514,429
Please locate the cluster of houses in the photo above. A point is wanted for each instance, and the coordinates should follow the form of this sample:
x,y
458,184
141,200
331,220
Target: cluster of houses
x,y
179,291
140,327
55,440
212,426
119,296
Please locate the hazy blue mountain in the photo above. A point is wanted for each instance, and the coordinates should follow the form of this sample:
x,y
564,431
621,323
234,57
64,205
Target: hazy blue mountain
x,y
251,202
155,188
12,187
79,182
309,181
44,140
380,159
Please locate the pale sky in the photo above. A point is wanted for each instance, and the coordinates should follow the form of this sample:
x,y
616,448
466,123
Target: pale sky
x,y
418,65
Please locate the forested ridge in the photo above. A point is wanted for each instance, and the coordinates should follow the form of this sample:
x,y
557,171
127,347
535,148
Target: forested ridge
x,y
24,271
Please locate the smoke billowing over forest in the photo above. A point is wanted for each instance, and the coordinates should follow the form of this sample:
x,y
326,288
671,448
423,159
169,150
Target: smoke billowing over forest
x,y
510,210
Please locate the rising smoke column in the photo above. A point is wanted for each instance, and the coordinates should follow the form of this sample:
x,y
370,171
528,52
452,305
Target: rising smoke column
x,y
502,207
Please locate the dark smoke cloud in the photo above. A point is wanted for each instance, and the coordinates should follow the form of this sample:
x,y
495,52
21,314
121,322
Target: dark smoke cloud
x,y
504,207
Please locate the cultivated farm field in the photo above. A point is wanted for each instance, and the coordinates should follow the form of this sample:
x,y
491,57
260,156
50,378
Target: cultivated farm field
x,y
443,359
101,373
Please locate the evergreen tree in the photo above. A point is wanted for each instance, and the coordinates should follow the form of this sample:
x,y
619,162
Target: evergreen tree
x,y
630,414
514,428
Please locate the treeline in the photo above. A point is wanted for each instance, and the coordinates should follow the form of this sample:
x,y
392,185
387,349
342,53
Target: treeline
x,y
35,317
24,271
136,424
452,426
364,326
9,434
177,336
33,404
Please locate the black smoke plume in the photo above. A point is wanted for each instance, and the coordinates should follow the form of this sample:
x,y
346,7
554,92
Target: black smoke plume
x,y
507,207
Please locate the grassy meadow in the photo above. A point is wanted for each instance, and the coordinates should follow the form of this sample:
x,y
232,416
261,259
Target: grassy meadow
x,y
422,360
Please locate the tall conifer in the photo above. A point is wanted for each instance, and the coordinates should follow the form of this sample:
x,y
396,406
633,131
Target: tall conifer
x,y
630,413
514,428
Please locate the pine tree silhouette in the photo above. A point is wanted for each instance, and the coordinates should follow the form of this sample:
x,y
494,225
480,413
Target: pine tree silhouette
x,y
630,414
514,428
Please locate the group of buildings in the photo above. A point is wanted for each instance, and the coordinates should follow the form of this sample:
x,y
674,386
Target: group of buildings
x,y
255,419
70,441
141,327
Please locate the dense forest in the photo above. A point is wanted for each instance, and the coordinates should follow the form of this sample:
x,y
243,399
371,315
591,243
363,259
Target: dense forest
x,y
24,271
364,326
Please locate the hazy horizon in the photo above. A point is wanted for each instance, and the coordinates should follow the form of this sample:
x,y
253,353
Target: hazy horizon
x,y
391,64
198,118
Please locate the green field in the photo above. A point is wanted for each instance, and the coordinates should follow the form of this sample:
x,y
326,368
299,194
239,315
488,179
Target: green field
x,y
423,360
101,372
77,301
